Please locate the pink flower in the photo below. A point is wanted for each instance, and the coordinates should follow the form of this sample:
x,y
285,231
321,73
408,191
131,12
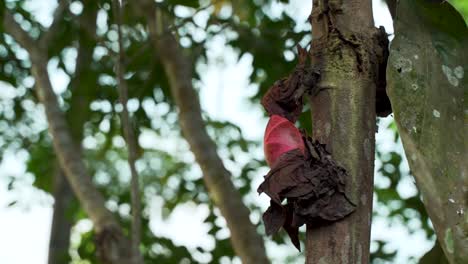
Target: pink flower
x,y
281,136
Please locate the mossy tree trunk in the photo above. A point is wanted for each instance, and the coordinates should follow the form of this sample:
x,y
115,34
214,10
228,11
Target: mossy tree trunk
x,y
346,49
427,85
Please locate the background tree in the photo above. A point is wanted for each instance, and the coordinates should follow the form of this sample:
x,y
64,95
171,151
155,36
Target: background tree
x,y
436,82
165,54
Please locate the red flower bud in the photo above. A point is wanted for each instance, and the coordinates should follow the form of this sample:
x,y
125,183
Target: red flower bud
x,y
281,136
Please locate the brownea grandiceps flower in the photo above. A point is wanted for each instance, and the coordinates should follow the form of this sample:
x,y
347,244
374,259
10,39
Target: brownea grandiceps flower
x,y
305,184
280,136
311,183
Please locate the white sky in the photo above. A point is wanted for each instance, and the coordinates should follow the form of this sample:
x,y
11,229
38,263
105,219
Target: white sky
x,y
25,228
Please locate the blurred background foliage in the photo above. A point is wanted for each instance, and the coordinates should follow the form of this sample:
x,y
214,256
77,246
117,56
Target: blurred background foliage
x,y
82,56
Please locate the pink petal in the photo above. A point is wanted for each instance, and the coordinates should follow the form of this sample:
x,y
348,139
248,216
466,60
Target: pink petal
x,y
280,136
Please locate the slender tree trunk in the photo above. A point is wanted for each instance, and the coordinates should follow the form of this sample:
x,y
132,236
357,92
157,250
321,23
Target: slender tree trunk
x,y
112,245
247,243
130,138
61,221
80,85
343,115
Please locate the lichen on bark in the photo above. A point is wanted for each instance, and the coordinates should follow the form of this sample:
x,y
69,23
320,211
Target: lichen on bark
x,y
350,53
427,88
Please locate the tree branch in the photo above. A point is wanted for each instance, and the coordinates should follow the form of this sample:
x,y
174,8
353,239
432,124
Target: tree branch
x,y
112,244
247,243
130,138
54,28
77,115
70,159
12,28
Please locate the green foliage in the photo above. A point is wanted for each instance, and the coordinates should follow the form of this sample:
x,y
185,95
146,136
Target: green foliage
x,y
42,164
189,3
154,249
462,7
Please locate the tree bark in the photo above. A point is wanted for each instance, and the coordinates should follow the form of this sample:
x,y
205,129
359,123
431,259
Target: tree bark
x,y
61,221
76,117
434,256
346,50
247,243
427,85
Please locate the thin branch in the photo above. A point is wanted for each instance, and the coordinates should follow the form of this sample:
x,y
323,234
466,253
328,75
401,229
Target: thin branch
x,y
69,157
111,244
79,110
130,138
54,28
14,29
172,28
110,236
247,243
76,117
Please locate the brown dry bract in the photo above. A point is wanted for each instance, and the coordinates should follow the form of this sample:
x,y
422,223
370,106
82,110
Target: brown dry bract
x,y
314,187
312,184
284,98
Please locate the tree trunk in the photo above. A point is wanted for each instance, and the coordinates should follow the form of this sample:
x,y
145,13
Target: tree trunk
x,y
247,243
346,49
427,85
130,136
112,245
434,256
81,86
61,221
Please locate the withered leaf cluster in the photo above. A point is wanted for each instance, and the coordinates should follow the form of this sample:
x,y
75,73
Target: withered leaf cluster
x,y
305,188
284,98
313,186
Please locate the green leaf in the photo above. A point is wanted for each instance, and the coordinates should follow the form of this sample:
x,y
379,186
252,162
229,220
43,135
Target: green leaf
x,y
189,3
462,7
